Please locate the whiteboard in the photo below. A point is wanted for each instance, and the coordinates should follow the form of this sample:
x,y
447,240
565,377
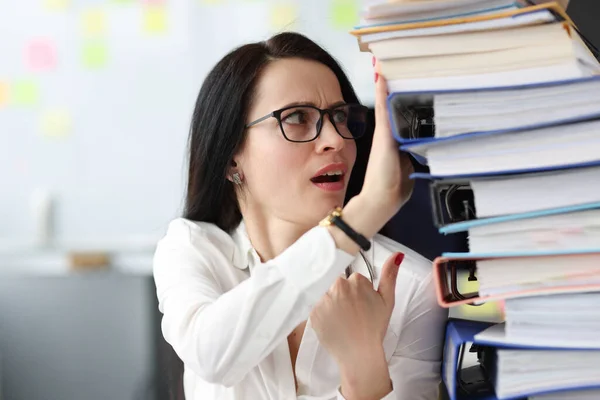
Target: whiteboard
x,y
101,121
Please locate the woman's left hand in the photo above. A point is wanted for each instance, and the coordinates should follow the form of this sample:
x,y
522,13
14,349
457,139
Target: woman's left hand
x,y
351,321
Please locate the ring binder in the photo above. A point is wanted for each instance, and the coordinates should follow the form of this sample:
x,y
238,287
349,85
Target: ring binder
x,y
452,201
446,270
481,380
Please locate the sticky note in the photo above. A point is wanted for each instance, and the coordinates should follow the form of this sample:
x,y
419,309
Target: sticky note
x,y
155,19
55,123
94,54
344,13
94,22
25,92
487,310
283,16
40,55
56,5
3,94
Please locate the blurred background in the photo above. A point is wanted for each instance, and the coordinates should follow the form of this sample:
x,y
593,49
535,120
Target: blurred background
x,y
95,102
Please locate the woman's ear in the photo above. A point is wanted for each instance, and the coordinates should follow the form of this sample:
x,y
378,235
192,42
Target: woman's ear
x,y
235,174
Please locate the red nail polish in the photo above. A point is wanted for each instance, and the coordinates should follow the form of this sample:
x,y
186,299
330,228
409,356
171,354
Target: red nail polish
x,y
373,60
376,76
399,258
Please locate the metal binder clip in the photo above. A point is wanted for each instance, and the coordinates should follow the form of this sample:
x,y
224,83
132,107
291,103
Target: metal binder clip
x,y
413,117
451,201
474,381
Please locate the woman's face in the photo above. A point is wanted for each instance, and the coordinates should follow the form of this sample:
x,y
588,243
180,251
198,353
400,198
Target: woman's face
x,y
283,179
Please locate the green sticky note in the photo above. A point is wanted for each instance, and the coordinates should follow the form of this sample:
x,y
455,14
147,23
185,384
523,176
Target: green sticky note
x,y
344,13
94,54
25,92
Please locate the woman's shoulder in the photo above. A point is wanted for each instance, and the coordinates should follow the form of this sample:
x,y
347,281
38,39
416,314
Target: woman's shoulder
x,y
198,236
187,230
414,264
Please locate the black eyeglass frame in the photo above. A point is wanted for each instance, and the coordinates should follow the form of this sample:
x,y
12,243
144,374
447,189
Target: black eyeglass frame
x,y
329,111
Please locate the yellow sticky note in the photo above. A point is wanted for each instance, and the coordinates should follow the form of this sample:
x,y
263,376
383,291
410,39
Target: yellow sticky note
x,y
3,94
56,5
155,19
283,16
55,123
486,311
344,13
94,54
94,22
25,92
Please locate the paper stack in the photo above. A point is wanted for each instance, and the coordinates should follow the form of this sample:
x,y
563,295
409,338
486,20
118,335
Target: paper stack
x,y
501,99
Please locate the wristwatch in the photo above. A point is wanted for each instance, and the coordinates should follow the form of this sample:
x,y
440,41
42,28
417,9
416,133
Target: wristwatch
x,y
335,218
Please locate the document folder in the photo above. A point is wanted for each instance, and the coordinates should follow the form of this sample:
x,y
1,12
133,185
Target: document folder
x,y
476,382
412,115
447,268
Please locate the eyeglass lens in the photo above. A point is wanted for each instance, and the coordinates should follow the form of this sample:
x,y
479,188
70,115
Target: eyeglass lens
x,y
303,124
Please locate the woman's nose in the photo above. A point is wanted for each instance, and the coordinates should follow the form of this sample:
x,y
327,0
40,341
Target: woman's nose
x,y
329,138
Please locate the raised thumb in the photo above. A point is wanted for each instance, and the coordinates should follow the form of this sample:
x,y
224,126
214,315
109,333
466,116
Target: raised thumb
x,y
389,274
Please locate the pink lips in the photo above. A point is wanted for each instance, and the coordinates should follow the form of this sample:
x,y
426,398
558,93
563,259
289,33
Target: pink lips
x,y
331,186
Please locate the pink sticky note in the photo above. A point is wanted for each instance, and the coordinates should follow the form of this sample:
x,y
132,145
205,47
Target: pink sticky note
x,y
41,55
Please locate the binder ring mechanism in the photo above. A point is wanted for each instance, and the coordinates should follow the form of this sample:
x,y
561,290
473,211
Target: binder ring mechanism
x,y
450,273
452,201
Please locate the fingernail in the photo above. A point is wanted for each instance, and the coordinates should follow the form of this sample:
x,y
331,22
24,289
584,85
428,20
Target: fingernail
x,y
373,60
376,76
399,258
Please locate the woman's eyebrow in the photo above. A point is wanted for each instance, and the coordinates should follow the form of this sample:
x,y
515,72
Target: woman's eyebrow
x,y
310,103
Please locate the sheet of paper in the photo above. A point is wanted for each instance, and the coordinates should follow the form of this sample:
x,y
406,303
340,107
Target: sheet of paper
x,y
155,19
3,94
283,16
56,123
26,92
56,5
344,14
94,22
94,54
41,55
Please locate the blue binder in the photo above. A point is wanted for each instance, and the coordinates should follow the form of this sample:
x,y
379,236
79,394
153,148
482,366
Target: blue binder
x,y
466,225
464,384
404,107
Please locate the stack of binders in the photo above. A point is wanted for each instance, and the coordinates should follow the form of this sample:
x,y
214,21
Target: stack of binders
x,y
501,99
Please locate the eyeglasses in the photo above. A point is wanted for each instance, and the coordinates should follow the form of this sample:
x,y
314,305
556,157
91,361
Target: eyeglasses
x,y
304,123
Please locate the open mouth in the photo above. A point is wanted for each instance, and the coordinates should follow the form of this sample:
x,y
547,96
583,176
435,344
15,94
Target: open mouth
x,y
334,176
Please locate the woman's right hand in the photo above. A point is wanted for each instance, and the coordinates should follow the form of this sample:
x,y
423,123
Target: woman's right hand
x,y
387,184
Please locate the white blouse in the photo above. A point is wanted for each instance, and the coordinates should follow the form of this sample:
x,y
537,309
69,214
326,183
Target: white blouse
x,y
228,315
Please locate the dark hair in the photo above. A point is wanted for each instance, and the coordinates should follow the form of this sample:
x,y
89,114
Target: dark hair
x,y
217,132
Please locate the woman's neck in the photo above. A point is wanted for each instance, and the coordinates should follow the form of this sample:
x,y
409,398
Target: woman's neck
x,y
270,235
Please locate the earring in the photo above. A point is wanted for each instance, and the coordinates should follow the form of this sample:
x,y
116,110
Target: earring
x,y
236,178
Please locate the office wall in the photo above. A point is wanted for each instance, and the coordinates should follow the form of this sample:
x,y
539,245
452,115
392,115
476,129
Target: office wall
x,y
96,98
90,336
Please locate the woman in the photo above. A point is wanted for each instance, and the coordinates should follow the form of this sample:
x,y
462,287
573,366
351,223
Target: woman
x,y
272,145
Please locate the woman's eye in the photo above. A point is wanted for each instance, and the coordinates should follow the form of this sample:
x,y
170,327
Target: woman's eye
x,y
339,116
296,117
